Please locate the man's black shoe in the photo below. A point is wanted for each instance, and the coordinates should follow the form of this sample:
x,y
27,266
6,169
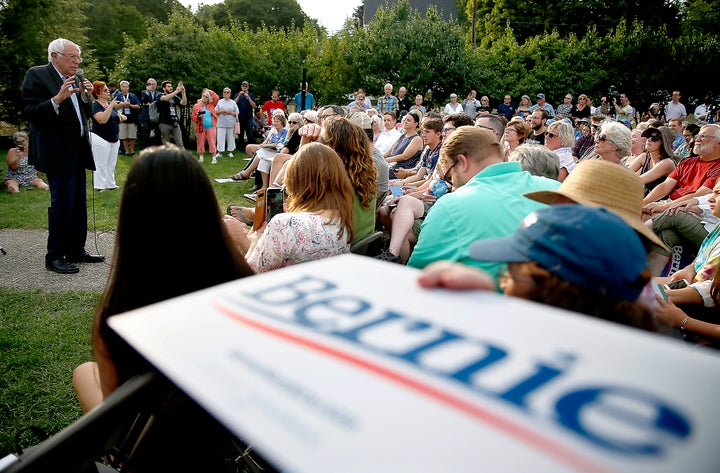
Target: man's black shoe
x,y
62,266
86,258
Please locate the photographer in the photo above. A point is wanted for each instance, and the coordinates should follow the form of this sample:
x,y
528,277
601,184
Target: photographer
x,y
619,106
19,172
707,112
654,112
167,107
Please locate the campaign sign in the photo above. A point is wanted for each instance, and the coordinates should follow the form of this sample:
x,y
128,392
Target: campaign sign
x,y
346,365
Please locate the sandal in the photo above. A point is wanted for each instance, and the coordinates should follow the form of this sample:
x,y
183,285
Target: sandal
x,y
236,212
239,177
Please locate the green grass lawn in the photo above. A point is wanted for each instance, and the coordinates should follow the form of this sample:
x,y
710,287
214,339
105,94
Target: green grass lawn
x,y
28,209
44,335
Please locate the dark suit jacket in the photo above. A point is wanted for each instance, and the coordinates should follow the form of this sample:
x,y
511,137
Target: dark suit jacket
x,y
56,147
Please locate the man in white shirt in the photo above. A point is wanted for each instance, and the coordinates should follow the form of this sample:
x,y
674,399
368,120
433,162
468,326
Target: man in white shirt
x,y
674,109
453,106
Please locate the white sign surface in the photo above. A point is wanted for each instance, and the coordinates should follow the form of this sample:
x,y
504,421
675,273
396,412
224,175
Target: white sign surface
x,y
346,365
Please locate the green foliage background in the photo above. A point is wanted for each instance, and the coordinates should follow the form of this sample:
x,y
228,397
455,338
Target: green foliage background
x,y
522,47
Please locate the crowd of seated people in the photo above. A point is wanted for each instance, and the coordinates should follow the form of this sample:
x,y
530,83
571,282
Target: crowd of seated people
x,y
677,162
476,208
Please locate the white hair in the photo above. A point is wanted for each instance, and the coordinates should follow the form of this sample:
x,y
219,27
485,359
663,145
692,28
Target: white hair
x,y
58,46
124,82
388,85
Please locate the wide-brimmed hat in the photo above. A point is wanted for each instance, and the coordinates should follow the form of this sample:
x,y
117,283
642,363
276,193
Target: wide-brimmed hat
x,y
600,183
591,248
667,135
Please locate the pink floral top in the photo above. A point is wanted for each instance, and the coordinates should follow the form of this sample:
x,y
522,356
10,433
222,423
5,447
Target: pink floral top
x,y
296,237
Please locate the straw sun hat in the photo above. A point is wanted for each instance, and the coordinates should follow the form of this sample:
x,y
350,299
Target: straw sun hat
x,y
600,183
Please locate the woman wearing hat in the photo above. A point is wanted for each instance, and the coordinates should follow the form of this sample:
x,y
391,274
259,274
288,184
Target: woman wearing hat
x,y
578,258
658,160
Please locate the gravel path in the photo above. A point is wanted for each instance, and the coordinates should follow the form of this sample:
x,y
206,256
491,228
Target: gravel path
x,y
23,267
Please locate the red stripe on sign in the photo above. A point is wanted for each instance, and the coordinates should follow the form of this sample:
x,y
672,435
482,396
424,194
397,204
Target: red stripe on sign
x,y
511,428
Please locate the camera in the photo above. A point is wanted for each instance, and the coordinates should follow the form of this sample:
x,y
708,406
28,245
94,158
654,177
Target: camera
x,y
20,144
614,97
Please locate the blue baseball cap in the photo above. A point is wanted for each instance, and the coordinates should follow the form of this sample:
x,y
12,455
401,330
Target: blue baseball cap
x,y
588,246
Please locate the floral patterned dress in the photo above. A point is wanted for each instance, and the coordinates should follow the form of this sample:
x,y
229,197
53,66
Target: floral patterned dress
x,y
295,237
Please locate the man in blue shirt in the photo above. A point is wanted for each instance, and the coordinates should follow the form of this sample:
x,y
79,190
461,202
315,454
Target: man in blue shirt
x,y
246,104
506,109
388,102
309,99
543,105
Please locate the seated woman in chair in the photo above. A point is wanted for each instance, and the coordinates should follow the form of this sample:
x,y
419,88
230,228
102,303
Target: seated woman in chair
x,y
276,135
318,221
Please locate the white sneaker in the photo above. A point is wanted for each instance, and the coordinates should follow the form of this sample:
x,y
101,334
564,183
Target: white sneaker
x,y
214,160
201,158
217,155
230,155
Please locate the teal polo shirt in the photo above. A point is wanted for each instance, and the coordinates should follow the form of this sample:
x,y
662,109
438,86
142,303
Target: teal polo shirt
x,y
490,205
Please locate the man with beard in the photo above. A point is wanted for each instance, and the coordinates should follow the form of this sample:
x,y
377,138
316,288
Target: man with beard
x,y
538,119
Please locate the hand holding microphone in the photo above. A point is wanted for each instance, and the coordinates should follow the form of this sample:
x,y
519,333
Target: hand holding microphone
x,y
83,84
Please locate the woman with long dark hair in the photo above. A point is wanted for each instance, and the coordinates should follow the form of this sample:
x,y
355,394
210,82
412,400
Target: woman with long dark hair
x,y
405,152
148,263
658,161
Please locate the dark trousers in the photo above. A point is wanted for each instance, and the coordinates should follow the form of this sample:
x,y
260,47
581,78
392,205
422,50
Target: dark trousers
x,y
67,216
145,140
246,128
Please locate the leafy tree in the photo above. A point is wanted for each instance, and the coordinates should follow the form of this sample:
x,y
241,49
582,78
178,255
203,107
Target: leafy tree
x,y
157,9
107,22
425,54
26,29
266,58
332,73
700,17
529,18
271,13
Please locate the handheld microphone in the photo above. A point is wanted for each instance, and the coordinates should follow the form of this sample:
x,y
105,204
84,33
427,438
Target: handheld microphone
x,y
80,78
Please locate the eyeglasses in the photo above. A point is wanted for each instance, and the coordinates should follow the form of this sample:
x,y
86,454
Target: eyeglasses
x,y
446,175
486,127
550,135
654,138
703,137
73,57
510,130
293,122
604,137
448,129
595,127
